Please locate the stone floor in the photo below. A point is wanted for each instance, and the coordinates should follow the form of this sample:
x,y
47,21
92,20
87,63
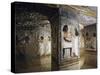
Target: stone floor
x,y
87,60
71,64
38,64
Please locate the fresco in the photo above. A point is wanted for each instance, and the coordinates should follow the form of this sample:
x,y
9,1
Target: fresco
x,y
52,37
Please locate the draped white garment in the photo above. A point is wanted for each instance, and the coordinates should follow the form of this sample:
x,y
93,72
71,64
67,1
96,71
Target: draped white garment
x,y
45,48
76,46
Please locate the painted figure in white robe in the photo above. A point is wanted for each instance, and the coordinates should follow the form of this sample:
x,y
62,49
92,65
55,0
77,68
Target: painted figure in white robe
x,y
67,40
47,46
41,46
76,44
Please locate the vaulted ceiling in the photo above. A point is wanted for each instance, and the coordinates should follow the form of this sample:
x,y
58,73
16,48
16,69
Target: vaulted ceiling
x,y
87,15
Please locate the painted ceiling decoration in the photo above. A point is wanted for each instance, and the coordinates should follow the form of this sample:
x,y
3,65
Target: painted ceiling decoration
x,y
86,10
86,15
